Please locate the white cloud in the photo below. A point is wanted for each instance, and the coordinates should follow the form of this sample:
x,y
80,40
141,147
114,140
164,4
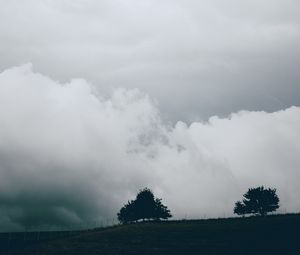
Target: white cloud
x,y
68,155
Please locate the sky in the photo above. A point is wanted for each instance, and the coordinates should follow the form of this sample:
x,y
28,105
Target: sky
x,y
197,100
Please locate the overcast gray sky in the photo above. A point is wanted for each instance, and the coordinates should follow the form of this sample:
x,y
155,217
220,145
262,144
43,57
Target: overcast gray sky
x,y
101,98
214,57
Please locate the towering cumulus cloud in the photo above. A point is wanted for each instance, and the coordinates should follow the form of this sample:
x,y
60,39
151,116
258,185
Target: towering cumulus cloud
x,y
69,155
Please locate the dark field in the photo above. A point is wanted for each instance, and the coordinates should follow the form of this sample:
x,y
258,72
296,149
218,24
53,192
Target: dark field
x,y
256,235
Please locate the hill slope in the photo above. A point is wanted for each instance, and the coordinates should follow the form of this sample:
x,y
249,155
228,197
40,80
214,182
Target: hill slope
x,y
255,235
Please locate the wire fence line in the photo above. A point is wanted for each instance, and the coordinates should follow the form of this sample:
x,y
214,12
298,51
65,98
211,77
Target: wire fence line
x,y
36,234
48,232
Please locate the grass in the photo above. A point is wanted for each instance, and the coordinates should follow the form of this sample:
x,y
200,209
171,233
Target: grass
x,y
254,235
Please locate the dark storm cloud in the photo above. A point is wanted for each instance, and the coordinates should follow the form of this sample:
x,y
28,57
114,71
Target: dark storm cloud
x,y
214,57
70,156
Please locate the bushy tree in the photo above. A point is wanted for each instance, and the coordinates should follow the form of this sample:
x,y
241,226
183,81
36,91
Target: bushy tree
x,y
144,207
258,201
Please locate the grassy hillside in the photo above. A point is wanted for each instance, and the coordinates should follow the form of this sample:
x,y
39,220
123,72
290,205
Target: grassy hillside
x,y
255,235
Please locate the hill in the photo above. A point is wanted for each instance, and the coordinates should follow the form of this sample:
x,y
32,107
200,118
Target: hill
x,y
254,235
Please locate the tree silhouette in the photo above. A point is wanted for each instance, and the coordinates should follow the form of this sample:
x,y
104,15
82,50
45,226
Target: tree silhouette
x,y
144,207
257,201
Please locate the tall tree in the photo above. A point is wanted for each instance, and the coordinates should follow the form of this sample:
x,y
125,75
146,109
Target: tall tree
x,y
259,201
144,207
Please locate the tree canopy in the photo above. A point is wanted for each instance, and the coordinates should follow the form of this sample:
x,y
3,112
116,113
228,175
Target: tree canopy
x,y
258,201
144,207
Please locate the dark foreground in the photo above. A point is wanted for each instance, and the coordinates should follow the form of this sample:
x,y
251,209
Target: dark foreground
x,y
255,235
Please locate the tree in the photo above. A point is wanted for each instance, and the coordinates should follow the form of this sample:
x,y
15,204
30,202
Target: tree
x,y
258,201
144,207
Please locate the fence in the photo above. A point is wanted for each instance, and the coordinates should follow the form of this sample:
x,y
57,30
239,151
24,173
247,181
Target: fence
x,y
36,234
